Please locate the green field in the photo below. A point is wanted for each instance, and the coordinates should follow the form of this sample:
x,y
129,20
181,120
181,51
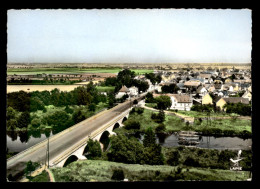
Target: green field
x,y
32,71
102,171
228,127
105,89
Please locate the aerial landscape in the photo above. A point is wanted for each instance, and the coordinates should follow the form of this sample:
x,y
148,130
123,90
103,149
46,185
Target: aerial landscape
x,y
152,95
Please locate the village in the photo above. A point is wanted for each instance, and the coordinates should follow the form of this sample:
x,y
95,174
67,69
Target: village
x,y
211,86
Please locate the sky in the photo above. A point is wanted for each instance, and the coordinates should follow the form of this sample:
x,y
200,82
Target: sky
x,y
129,36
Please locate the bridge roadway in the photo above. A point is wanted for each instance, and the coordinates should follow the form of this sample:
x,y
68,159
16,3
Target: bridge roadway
x,y
58,144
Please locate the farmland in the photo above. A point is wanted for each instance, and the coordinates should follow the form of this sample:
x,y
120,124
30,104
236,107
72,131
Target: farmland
x,y
32,71
30,88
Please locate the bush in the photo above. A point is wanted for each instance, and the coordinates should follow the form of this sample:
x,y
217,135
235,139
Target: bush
x,y
36,122
174,158
118,174
160,128
92,107
93,149
190,161
140,110
131,124
158,118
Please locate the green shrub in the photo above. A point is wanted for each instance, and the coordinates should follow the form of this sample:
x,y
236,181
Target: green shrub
x,y
118,174
131,124
160,128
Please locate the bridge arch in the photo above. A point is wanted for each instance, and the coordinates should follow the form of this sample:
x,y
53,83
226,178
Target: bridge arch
x,y
70,160
117,125
124,119
104,140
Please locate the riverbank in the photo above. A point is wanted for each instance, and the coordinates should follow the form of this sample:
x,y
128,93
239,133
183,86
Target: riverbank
x,y
176,122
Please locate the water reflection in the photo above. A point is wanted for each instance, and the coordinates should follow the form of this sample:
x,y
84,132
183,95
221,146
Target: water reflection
x,y
24,136
18,141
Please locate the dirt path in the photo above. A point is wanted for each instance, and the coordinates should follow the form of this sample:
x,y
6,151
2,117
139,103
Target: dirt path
x,y
186,118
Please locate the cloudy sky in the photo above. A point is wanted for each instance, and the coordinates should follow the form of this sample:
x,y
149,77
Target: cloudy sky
x,y
129,36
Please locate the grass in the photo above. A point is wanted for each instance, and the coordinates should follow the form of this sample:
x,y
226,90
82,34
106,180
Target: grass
x,y
202,114
31,71
174,124
43,177
105,89
102,171
151,105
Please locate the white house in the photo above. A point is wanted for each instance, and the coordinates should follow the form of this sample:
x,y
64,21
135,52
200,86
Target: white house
x,y
201,90
124,90
133,91
181,102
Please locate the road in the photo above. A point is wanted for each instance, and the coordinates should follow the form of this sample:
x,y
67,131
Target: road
x,y
59,144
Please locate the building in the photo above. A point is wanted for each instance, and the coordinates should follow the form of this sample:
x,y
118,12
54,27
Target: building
x,y
181,102
201,90
247,95
124,90
133,91
207,99
221,102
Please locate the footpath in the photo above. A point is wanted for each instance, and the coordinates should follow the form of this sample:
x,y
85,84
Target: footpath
x,y
183,117
39,171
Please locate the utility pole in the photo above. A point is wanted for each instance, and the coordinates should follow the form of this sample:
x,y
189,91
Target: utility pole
x,y
48,148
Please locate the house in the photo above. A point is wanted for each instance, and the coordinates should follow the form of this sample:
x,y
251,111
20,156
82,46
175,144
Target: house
x,y
201,90
218,86
192,83
158,88
181,102
207,99
247,95
221,102
228,80
207,77
133,91
210,87
124,90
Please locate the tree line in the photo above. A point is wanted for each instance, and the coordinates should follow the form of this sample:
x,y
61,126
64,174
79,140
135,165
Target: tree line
x,y
33,101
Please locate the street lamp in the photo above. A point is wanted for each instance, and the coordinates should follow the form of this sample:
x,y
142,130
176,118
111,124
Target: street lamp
x,y
48,147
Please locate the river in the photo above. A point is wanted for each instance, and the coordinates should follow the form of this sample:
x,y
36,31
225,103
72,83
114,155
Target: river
x,y
211,142
19,141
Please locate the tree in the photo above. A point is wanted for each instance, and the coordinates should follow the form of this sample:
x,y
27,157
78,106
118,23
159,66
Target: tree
x,y
36,104
92,107
174,158
163,102
36,122
68,110
11,124
149,98
160,128
132,124
24,120
30,167
149,138
125,150
93,149
152,153
10,113
126,77
153,78
172,88
141,85
78,116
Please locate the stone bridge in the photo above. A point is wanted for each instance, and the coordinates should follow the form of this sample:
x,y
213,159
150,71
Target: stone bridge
x,y
76,152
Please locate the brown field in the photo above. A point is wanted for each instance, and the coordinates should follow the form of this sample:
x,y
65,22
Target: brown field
x,y
30,88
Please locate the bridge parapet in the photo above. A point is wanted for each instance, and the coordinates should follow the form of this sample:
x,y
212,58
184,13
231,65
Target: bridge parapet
x,y
78,148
